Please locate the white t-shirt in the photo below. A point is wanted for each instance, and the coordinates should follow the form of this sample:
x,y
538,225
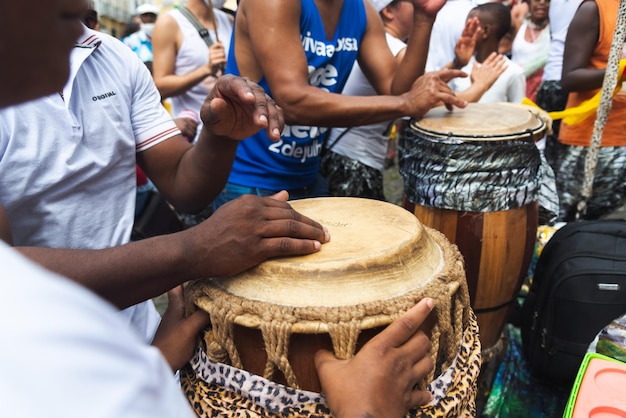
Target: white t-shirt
x,y
67,165
509,87
66,353
446,31
366,143
561,14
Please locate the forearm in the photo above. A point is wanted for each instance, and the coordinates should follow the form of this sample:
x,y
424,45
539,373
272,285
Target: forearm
x,y
315,107
174,85
582,79
123,275
414,61
473,93
202,172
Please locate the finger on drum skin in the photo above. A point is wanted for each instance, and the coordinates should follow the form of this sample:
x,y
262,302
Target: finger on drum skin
x,y
299,229
291,246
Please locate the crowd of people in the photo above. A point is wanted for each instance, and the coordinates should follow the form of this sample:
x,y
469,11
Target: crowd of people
x,y
232,115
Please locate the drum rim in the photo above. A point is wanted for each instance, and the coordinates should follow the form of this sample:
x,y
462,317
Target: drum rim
x,y
535,134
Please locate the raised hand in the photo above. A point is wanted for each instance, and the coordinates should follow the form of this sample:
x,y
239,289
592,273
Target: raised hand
x,y
380,380
487,73
237,108
465,46
217,58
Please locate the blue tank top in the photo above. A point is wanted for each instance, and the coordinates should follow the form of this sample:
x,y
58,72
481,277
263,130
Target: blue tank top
x,y
293,161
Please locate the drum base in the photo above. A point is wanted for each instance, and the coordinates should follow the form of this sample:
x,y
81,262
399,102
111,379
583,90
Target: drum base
x,y
214,389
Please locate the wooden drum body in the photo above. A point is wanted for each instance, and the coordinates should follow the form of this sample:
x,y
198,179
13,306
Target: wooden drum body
x,y
474,174
380,261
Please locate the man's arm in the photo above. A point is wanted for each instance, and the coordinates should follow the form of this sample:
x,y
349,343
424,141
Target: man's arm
x,y
235,238
260,26
582,37
378,67
240,235
189,176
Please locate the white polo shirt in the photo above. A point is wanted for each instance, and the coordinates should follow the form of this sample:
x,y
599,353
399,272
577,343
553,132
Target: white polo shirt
x,y
67,161
67,354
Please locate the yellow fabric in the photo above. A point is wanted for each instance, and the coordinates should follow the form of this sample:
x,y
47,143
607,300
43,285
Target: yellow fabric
x,y
587,108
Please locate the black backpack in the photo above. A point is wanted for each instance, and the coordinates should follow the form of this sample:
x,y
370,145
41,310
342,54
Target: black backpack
x,y
578,288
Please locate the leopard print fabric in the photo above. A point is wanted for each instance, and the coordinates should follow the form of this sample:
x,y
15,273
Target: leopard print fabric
x,y
216,389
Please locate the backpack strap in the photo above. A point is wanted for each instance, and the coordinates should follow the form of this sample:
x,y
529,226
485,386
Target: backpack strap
x,y
202,31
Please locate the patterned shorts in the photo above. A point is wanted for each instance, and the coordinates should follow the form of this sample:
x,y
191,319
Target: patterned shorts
x,y
351,178
609,185
550,98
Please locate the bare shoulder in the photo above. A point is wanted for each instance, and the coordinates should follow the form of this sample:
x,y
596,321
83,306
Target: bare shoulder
x,y
259,27
166,23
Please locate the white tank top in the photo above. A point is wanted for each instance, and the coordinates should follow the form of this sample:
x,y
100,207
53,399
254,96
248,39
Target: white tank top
x,y
523,51
194,53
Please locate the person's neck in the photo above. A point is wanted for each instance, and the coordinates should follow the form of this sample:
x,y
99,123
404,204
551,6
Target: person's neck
x,y
537,24
202,12
484,50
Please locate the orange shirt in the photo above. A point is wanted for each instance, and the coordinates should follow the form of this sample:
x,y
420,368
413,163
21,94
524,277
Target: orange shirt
x,y
614,133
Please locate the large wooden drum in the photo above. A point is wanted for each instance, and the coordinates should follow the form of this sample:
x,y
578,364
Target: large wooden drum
x,y
474,174
268,322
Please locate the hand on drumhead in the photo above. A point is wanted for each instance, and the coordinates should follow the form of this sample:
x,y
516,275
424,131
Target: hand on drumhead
x,y
176,336
237,108
250,229
432,90
380,380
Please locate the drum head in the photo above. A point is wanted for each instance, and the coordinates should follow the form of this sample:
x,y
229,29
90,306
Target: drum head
x,y
377,250
480,121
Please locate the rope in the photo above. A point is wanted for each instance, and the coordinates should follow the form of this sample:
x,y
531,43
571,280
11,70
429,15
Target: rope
x,y
609,84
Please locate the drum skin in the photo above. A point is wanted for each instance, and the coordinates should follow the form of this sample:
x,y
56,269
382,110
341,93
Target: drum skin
x,y
493,225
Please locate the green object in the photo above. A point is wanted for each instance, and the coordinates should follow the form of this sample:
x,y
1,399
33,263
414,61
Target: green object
x,y
569,407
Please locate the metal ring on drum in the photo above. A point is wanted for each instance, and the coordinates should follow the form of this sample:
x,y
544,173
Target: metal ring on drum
x,y
474,174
